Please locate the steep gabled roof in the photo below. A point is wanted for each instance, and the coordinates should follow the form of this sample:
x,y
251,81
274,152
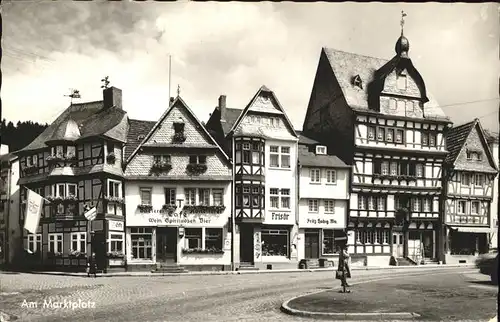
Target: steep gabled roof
x,y
457,137
230,118
263,88
346,66
306,140
138,130
92,119
310,159
178,99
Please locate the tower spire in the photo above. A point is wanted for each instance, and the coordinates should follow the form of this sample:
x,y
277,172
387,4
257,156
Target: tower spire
x,y
403,15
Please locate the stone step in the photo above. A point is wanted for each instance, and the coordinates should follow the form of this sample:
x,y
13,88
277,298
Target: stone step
x,y
169,268
404,262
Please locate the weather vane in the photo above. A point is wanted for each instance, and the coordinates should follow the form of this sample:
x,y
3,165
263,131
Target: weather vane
x,y
74,94
105,82
403,15
178,90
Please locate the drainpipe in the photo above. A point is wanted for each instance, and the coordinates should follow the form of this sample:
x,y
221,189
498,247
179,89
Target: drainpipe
x,y
233,208
7,221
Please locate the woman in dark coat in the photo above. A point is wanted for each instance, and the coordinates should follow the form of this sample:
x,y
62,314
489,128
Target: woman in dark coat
x,y
343,270
92,265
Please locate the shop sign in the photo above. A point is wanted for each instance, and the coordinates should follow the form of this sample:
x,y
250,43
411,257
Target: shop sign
x,y
279,218
177,219
116,225
321,221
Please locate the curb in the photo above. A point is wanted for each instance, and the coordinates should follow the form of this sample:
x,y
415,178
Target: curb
x,y
209,273
285,308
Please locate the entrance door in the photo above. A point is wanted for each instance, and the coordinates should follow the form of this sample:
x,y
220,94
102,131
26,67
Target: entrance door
x,y
246,244
312,244
397,244
166,244
428,243
98,246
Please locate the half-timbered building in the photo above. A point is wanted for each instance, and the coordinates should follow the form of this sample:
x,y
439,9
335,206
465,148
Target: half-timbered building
x,y
263,146
178,191
469,177
77,162
378,116
323,181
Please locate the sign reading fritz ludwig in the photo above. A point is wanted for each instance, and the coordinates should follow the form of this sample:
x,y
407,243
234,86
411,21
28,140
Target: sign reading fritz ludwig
x,y
160,217
332,221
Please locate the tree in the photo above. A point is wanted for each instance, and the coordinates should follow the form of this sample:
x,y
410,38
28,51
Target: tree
x,y
19,136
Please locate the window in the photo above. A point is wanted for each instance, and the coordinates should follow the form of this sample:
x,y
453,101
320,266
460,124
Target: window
x,y
142,245
246,152
79,242
274,242
190,196
384,168
362,202
461,207
399,136
193,238
329,245
285,198
111,147
198,159
331,176
330,206
474,155
315,176
381,201
419,170
145,196
217,195
115,242
371,202
401,82
320,149
204,196
313,205
389,135
427,205
61,190
56,243
479,179
394,168
416,204
162,159
371,133
170,196
213,238
280,156
71,151
114,188
475,207
34,242
59,150
465,179
274,193
428,139
381,134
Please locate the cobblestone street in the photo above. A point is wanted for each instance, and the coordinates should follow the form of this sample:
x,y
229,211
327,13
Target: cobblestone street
x,y
170,298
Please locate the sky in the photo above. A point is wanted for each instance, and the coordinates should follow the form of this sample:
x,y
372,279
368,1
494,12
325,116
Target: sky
x,y
234,48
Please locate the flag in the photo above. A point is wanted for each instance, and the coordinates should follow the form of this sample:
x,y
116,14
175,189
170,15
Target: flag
x,y
34,204
91,214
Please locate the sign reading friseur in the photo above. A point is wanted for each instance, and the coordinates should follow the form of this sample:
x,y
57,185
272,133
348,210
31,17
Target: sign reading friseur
x,y
332,221
178,218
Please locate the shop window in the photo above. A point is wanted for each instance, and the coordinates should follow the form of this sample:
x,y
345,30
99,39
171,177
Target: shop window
x,y
193,238
79,242
142,245
330,206
313,205
329,245
204,196
331,176
145,196
190,196
115,242
170,196
114,188
56,243
218,197
34,243
213,238
315,175
274,242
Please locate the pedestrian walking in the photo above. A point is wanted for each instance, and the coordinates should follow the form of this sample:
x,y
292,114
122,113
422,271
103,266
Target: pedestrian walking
x,y
343,270
92,266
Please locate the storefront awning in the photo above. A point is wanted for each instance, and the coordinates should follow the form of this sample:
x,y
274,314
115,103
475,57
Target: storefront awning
x,y
485,230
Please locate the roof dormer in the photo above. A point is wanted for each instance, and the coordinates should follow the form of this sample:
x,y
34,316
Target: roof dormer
x,y
320,150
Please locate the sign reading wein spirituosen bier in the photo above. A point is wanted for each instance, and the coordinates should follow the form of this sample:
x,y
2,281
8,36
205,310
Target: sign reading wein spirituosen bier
x,y
177,218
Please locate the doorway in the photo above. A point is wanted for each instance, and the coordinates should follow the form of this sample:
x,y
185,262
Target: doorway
x,y
397,244
311,244
246,244
166,244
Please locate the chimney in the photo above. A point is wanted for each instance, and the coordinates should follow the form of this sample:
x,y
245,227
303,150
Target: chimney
x,y
112,97
172,100
222,107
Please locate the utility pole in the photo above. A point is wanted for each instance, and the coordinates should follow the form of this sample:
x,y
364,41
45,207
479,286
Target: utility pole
x,y
169,75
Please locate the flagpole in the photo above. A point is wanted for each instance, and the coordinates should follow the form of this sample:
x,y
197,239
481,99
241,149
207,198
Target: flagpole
x,y
37,194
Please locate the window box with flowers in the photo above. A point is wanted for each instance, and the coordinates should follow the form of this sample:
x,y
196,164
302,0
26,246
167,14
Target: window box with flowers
x,y
394,177
65,199
202,251
169,209
114,199
145,208
77,254
196,168
178,138
111,158
116,255
161,167
60,158
205,209
54,255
